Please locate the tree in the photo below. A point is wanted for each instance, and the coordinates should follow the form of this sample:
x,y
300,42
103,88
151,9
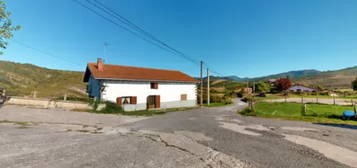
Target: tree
x,y
262,87
282,84
6,27
354,84
318,87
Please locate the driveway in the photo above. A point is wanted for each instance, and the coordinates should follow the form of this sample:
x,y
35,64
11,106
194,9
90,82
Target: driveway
x,y
207,137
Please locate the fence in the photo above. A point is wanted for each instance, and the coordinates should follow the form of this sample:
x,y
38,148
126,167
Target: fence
x,y
337,101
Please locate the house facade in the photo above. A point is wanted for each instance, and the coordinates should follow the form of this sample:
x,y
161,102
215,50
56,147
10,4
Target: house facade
x,y
298,88
136,88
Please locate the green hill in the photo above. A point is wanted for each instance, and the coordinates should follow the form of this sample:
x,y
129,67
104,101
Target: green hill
x,y
332,79
22,79
290,74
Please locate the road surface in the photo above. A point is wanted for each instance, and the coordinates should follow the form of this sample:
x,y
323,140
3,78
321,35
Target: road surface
x,y
207,137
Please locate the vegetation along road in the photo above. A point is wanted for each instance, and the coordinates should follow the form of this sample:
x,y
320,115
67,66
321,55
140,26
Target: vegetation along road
x,y
206,137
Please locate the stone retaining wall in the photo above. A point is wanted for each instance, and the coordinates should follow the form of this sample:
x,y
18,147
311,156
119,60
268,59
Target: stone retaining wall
x,y
48,103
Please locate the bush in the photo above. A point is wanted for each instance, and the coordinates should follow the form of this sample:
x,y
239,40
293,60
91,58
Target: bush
x,y
354,84
221,99
247,112
262,87
111,108
73,98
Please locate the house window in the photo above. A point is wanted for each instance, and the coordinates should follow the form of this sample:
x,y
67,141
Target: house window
x,y
183,97
154,85
127,100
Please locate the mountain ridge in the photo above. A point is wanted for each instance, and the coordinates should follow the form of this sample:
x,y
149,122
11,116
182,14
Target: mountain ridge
x,y
22,79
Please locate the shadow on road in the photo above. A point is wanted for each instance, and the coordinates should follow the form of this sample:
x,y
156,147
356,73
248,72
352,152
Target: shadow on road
x,y
339,125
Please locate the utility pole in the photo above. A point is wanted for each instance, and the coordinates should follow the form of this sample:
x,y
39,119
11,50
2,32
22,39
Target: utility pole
x,y
208,96
201,85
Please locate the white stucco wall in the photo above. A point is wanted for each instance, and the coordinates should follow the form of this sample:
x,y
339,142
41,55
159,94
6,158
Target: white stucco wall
x,y
168,91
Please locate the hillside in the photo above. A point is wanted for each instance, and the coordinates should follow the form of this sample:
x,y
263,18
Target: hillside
x,y
290,74
332,79
22,79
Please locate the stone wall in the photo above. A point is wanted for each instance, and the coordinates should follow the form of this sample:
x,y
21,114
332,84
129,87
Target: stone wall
x,y
47,103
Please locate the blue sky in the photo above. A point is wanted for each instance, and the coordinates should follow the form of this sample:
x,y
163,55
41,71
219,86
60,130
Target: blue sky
x,y
235,37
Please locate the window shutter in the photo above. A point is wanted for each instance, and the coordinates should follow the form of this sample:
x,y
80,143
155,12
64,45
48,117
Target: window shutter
x,y
119,100
133,100
156,85
157,101
183,97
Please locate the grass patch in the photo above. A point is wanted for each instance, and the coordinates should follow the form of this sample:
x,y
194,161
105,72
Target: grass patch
x,y
318,113
155,112
113,108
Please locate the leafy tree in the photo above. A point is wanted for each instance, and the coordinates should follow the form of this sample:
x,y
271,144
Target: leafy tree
x,y
262,87
282,84
354,84
319,87
6,27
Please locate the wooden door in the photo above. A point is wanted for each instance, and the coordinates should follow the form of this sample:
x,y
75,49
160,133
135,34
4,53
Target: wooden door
x,y
153,102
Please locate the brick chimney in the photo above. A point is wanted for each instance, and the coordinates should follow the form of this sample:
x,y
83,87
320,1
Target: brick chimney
x,y
100,64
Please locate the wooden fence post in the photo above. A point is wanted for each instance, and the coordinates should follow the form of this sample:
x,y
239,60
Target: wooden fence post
x,y
334,100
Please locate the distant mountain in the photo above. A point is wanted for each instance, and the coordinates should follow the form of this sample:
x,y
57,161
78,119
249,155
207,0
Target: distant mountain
x,y
291,74
333,79
230,78
235,78
22,79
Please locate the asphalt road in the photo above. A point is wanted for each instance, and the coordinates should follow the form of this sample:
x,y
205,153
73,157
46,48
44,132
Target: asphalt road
x,y
207,137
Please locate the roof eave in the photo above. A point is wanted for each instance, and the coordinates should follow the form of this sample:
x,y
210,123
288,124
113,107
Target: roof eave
x,y
149,80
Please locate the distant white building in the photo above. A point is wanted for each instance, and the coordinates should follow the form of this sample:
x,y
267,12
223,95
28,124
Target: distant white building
x,y
300,89
138,88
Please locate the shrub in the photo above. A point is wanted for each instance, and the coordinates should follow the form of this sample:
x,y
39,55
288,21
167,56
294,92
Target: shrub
x,y
247,112
262,87
354,84
95,104
111,108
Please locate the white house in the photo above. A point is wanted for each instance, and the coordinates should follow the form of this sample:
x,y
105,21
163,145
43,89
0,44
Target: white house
x,y
298,88
137,88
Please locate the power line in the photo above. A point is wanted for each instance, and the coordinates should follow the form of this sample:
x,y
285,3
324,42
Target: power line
x,y
122,27
127,22
134,29
43,52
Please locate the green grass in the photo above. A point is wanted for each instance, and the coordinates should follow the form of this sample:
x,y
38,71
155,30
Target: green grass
x,y
151,112
112,108
319,113
22,79
280,96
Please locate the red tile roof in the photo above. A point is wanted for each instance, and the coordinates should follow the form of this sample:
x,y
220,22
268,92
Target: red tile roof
x,y
118,72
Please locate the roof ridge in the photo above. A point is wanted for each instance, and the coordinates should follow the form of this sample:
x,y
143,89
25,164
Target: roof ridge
x,y
138,67
132,72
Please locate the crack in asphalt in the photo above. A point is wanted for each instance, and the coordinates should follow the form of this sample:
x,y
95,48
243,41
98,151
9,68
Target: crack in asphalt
x,y
208,156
